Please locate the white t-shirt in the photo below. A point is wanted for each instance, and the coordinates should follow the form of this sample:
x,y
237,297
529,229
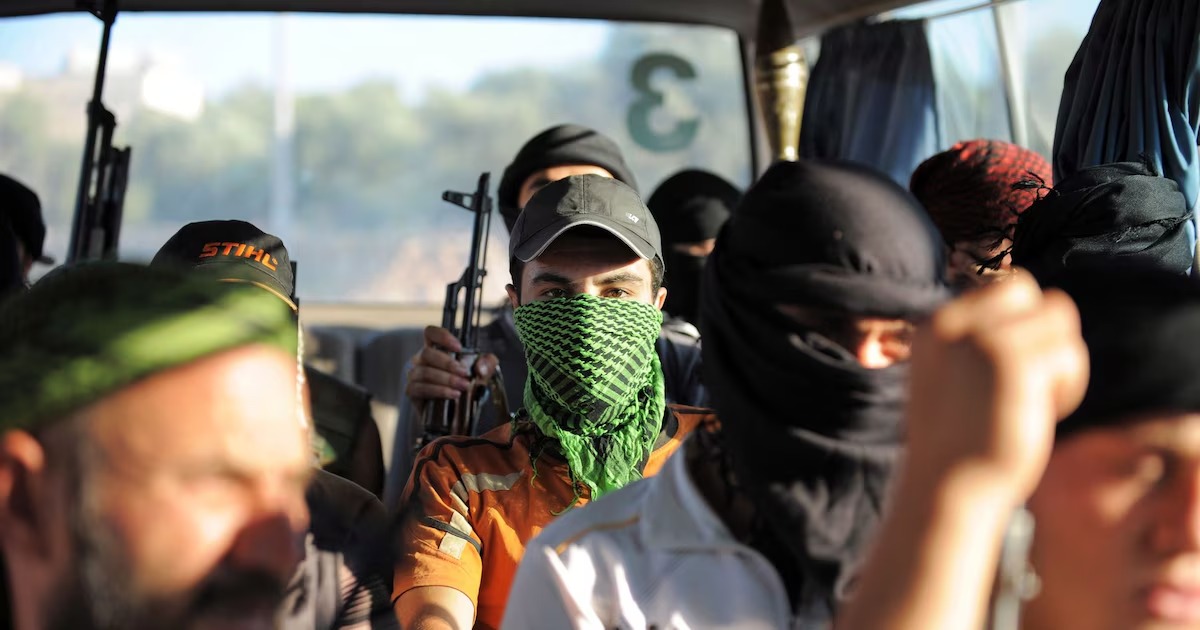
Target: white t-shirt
x,y
651,555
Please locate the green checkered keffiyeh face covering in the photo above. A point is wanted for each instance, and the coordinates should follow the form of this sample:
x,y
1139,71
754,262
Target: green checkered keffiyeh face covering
x,y
595,385
87,331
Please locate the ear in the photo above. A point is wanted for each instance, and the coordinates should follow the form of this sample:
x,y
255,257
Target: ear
x,y
23,487
513,298
661,298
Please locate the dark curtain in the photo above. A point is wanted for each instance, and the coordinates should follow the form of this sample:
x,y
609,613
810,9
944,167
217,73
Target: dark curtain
x,y
872,98
1134,89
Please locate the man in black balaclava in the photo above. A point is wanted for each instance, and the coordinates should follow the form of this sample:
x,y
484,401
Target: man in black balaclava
x,y
553,155
1123,211
807,309
690,208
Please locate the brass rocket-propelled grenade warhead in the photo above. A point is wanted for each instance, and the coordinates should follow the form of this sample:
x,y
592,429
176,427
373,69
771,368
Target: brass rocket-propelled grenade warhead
x,y
781,77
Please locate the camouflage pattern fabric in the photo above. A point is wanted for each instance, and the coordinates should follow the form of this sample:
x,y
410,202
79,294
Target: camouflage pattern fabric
x,y
86,331
595,385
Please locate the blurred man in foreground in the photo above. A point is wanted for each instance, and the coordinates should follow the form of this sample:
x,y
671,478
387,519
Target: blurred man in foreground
x,y
1114,488
154,453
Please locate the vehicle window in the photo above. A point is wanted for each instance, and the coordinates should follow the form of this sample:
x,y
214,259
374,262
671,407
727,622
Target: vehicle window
x,y
340,132
43,104
1043,36
970,46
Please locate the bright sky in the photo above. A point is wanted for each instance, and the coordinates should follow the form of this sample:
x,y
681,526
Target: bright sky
x,y
326,51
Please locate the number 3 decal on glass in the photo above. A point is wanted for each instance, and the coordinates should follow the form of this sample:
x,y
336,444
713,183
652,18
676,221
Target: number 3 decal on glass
x,y
684,131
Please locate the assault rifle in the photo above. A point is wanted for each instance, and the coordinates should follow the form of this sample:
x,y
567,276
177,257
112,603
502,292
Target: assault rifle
x,y
460,417
96,227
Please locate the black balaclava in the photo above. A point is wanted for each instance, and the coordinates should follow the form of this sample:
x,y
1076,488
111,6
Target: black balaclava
x,y
1114,212
813,435
1140,325
556,146
689,207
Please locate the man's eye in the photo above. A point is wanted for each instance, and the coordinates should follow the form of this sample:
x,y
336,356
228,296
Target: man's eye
x,y
554,293
617,293
899,349
213,486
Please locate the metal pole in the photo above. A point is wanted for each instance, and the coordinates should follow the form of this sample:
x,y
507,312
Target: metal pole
x,y
755,118
1014,85
282,137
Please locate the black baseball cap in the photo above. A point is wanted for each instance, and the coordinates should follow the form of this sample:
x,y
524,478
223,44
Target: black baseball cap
x,y
234,251
585,200
24,212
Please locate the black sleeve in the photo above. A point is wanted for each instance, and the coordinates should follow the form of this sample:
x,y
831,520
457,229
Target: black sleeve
x,y
350,524
680,357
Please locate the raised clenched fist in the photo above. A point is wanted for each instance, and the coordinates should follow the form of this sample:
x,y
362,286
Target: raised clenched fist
x,y
992,374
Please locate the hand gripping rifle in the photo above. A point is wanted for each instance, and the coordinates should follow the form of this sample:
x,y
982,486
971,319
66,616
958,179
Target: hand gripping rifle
x,y
460,417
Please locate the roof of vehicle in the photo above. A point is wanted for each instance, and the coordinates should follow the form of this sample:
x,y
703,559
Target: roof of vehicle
x,y
806,16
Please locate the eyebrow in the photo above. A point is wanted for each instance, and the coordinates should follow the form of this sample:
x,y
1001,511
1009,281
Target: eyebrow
x,y
301,475
547,277
622,277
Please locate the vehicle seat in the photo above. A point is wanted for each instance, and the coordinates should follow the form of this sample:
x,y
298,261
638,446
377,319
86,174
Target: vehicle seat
x,y
383,370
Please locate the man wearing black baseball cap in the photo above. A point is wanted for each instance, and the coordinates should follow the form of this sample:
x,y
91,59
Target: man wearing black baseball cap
x,y
586,262
345,579
556,153
237,251
234,251
21,207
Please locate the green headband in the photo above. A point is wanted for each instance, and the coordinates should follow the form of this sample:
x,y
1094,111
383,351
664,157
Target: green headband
x,y
89,330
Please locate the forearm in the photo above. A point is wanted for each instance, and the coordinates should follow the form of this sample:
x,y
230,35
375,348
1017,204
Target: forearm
x,y
434,608
934,561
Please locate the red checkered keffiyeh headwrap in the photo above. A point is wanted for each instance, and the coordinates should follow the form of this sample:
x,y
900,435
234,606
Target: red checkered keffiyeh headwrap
x,y
977,189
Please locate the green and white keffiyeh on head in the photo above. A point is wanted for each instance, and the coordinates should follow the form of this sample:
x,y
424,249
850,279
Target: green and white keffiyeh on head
x,y
595,384
88,330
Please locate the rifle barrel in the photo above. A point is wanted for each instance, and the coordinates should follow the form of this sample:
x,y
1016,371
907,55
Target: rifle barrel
x,y
474,276
82,223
